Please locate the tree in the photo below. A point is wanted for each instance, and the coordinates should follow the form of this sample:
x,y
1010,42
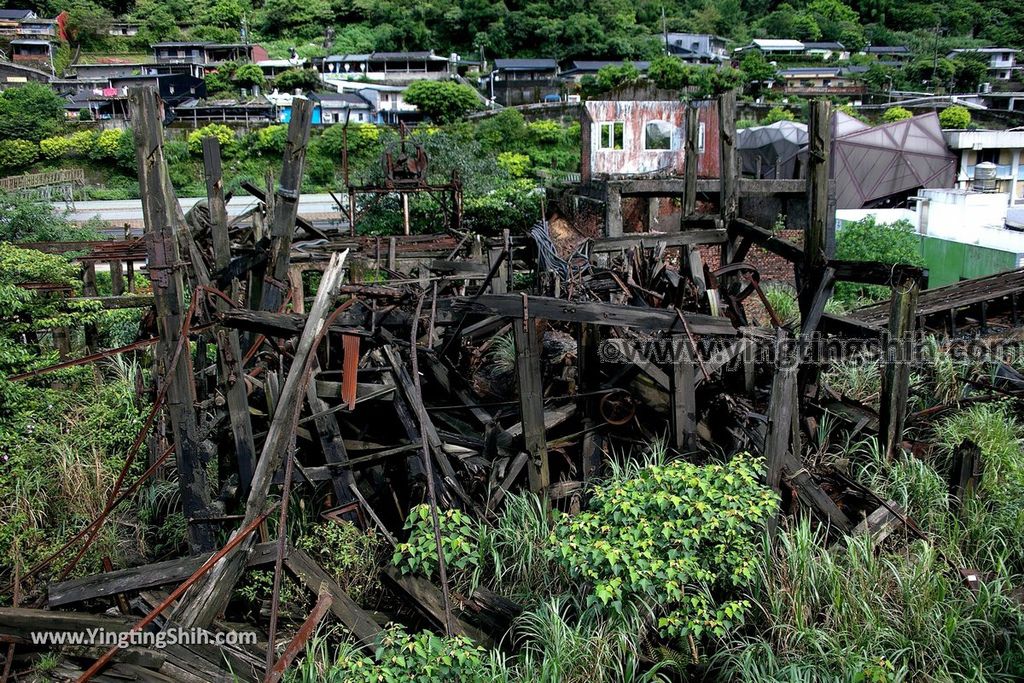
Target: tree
x,y
868,240
30,112
955,117
970,68
33,220
756,70
613,76
442,101
893,114
296,18
248,76
667,73
87,23
297,79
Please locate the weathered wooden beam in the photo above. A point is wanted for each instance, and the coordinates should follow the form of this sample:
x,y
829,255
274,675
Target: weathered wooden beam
x,y
691,159
531,400
778,440
767,240
684,402
728,196
817,242
647,240
599,313
208,597
144,576
329,434
286,203
305,569
159,207
426,598
229,352
896,372
965,473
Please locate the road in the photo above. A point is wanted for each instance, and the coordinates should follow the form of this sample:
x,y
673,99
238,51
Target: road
x,y
119,212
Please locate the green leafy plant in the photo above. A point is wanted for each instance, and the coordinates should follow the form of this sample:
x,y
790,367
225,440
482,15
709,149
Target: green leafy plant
x,y
957,117
679,536
442,101
868,240
223,133
893,114
351,556
459,541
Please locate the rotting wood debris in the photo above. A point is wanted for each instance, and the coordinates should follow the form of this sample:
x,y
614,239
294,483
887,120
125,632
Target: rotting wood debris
x,y
393,390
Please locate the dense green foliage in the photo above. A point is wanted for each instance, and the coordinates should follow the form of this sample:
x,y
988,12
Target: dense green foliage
x,y
31,112
442,101
459,542
679,536
868,240
893,114
957,117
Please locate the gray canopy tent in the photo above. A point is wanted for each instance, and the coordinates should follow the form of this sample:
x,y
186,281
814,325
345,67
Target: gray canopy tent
x,y
765,150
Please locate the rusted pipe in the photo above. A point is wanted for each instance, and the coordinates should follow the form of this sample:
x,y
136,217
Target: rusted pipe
x,y
298,641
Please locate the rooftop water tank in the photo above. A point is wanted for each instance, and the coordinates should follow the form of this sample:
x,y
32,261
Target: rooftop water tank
x,y
985,177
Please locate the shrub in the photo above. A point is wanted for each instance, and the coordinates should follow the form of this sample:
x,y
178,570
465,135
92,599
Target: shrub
x,y
679,536
117,146
15,155
223,133
893,114
514,206
77,144
459,541
32,112
442,101
399,657
545,131
517,165
776,114
362,137
955,117
351,556
270,140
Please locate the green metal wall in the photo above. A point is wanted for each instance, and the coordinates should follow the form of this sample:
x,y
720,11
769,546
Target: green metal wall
x,y
950,262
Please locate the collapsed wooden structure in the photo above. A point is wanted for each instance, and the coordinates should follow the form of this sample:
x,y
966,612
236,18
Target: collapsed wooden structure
x,y
450,369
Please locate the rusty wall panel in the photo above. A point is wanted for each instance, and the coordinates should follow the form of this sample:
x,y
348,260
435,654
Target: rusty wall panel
x,y
633,158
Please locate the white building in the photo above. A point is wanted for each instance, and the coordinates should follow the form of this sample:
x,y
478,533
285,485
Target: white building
x,y
999,147
1002,61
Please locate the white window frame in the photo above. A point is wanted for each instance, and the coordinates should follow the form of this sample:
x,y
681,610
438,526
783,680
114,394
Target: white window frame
x,y
608,143
672,139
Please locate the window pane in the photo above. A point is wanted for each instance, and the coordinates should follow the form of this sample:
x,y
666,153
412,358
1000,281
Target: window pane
x,y
658,135
617,141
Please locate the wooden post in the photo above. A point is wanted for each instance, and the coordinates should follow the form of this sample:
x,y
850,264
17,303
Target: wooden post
x,y
159,208
728,197
684,404
229,351
780,410
89,289
587,380
896,374
286,203
405,213
817,244
531,400
691,161
116,278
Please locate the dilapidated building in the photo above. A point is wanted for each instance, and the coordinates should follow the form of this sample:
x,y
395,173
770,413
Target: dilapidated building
x,y
645,137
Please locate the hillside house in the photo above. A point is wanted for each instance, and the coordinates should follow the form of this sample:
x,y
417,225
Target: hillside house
x,y
399,68
696,48
833,51
819,80
578,68
774,47
1002,61
523,81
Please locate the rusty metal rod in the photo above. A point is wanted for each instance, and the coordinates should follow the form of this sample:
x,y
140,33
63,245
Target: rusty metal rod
x,y
84,360
176,593
298,641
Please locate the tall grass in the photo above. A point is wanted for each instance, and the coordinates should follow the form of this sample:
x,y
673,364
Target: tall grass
x,y
854,612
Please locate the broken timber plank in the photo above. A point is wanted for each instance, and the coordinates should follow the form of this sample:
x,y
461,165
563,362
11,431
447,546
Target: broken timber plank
x,y
426,598
892,411
531,401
